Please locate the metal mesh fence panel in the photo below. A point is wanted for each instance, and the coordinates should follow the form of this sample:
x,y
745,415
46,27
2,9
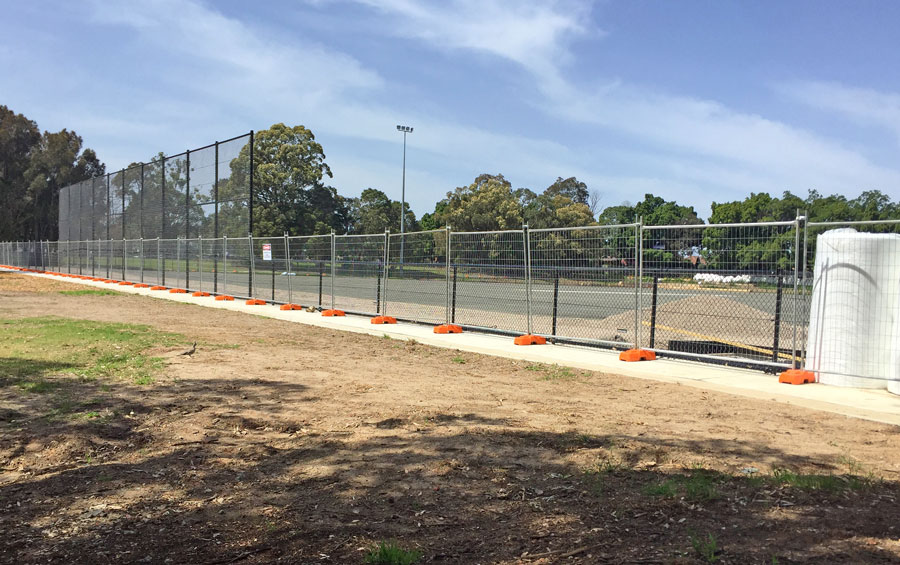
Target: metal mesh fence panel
x,y
174,204
235,279
97,211
132,256
270,274
720,290
202,194
416,288
116,205
358,268
152,200
234,187
310,263
131,216
851,303
64,225
487,280
583,284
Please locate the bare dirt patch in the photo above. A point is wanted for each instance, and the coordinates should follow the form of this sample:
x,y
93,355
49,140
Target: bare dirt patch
x,y
278,442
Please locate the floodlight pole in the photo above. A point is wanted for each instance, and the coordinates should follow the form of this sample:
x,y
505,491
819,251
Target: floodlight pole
x,y
405,130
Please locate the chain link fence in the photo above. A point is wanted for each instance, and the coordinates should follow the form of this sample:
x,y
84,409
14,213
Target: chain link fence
x,y
770,295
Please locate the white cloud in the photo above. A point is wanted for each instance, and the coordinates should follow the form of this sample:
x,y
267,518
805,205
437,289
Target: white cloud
x,y
533,35
862,105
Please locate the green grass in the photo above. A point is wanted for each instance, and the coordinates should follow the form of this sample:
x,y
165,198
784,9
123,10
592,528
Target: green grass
x,y
700,485
706,548
89,292
36,348
389,553
822,483
459,359
551,372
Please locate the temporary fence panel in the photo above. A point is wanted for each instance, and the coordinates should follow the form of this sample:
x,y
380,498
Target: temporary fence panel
x,y
416,283
582,283
488,280
853,307
310,270
725,290
236,267
359,272
270,275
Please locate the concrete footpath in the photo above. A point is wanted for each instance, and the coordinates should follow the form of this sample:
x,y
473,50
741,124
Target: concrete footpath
x,y
876,405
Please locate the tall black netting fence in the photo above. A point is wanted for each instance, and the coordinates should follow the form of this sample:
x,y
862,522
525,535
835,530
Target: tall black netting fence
x,y
200,193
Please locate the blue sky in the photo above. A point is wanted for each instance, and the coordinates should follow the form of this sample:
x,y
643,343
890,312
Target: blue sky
x,y
693,101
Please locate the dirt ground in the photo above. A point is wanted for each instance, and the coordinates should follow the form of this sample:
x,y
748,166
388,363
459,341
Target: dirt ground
x,y
279,442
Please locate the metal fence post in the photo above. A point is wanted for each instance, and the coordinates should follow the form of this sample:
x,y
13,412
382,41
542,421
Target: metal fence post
x,y
160,267
447,276
333,265
387,267
178,260
124,255
526,247
252,266
799,219
224,264
638,260
653,302
806,303
142,260
287,268
200,263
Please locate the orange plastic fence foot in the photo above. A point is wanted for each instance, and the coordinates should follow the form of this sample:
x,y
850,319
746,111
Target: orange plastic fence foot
x,y
333,312
224,297
529,339
157,287
126,283
255,302
288,307
178,291
384,320
637,355
110,281
797,377
200,293
141,285
448,329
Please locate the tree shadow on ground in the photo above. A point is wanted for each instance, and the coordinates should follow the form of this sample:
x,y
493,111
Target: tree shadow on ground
x,y
464,489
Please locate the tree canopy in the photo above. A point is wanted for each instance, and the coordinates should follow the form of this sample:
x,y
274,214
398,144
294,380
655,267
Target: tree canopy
x,y
33,168
490,203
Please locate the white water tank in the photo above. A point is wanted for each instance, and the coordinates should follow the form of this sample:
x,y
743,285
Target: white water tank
x,y
853,326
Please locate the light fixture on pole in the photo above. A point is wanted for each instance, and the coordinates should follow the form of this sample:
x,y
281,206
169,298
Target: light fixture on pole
x,y
405,130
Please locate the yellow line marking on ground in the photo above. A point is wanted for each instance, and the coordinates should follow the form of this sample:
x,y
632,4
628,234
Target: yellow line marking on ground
x,y
726,342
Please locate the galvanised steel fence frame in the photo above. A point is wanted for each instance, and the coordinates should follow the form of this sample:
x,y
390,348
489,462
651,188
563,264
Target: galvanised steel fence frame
x,y
205,192
736,294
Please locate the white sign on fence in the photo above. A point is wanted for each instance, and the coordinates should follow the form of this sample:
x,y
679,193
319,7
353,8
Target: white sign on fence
x,y
267,251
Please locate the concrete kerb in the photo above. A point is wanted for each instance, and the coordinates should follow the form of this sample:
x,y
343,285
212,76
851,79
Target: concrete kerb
x,y
875,405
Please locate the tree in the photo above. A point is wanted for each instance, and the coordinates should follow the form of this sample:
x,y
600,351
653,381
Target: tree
x,y
570,188
18,138
563,204
487,204
374,212
289,194
34,168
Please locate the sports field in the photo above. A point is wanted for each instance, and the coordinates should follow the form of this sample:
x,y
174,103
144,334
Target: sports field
x,y
280,442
